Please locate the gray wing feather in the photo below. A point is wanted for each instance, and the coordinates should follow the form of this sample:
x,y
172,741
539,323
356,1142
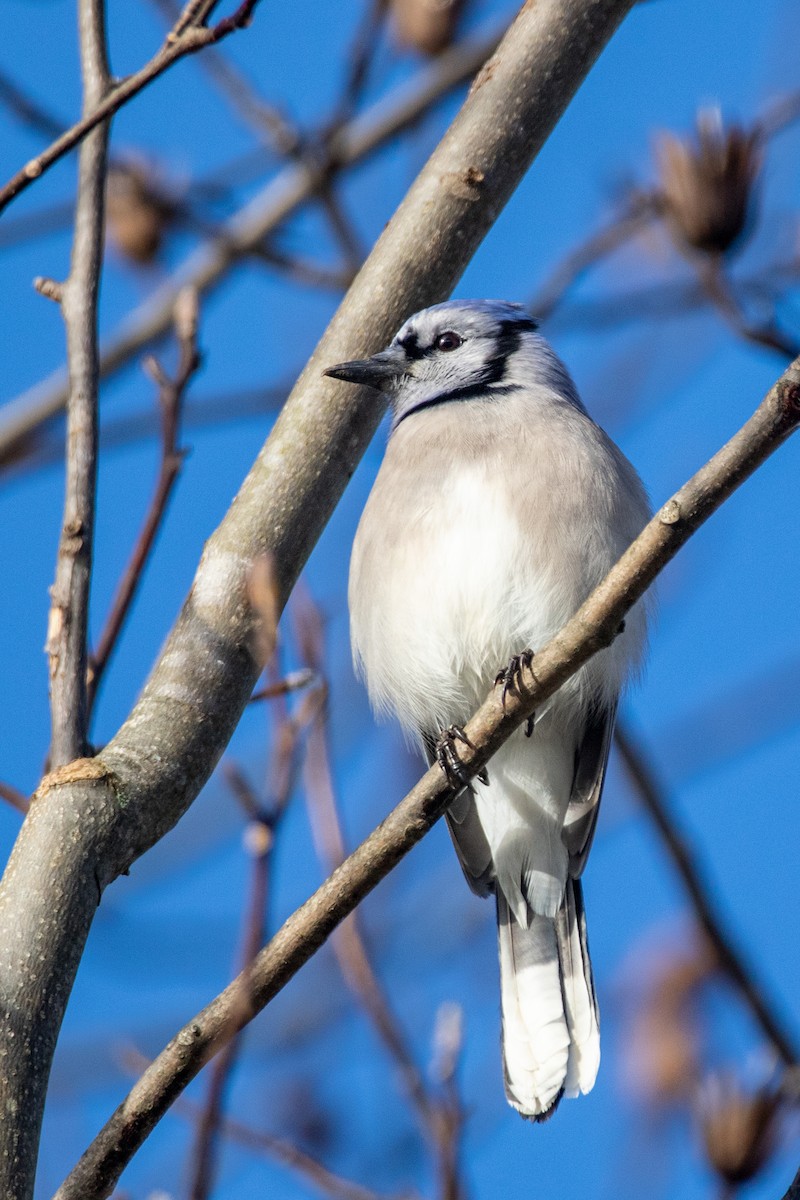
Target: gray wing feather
x,y
591,761
467,833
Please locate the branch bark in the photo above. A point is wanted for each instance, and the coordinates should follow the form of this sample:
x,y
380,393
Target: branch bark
x,y
69,610
593,627
93,818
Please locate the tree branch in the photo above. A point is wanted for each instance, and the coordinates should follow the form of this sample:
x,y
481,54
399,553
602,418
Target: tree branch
x,y
246,230
170,401
91,820
69,610
654,802
187,37
593,628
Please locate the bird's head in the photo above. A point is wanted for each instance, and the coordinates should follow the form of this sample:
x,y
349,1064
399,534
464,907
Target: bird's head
x,y
460,350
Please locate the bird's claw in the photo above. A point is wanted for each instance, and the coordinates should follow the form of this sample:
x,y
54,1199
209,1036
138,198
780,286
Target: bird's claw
x,y
511,677
448,760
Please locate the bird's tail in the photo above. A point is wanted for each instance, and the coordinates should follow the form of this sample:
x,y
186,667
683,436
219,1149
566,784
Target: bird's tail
x,y
551,1036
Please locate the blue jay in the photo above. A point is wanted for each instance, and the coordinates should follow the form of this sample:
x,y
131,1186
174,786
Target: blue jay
x,y
499,506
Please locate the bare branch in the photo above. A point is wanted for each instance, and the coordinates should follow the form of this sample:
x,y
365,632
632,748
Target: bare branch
x,y
641,210
284,1152
438,1117
295,186
730,961
170,401
263,828
69,610
187,38
14,797
718,288
593,627
28,110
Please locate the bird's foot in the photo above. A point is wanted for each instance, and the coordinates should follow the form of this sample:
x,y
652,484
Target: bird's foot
x,y
448,759
510,677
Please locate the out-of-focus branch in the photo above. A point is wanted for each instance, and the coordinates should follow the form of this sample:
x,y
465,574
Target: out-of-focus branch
x,y
593,628
651,795
362,54
264,822
294,186
69,608
96,817
170,399
14,797
279,1149
292,682
717,286
348,942
187,37
28,110
641,210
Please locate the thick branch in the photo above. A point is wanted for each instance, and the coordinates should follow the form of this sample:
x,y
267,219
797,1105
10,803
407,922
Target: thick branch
x,y
593,627
90,821
69,609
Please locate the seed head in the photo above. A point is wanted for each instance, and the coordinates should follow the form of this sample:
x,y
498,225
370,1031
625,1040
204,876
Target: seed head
x,y
707,183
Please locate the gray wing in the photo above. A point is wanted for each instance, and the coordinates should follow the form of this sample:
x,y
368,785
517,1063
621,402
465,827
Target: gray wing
x,y
467,833
591,761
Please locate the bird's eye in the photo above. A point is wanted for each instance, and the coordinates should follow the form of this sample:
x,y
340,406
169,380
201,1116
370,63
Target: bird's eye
x,y
448,341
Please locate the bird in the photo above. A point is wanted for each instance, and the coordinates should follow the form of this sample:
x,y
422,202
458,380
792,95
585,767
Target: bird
x,y
498,507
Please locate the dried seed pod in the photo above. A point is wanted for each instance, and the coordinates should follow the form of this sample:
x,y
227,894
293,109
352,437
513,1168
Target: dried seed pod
x,y
707,184
427,26
138,212
738,1128
663,1046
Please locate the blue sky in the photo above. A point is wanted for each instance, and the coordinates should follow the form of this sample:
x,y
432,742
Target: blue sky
x,y
717,709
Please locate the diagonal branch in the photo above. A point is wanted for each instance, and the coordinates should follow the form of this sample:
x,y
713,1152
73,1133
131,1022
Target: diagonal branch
x,y
206,268
651,796
187,37
593,628
68,622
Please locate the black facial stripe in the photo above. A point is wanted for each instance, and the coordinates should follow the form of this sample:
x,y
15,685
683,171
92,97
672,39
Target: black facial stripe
x,y
411,346
471,391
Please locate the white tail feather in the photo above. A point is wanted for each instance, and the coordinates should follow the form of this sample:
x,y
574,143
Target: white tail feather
x,y
551,1042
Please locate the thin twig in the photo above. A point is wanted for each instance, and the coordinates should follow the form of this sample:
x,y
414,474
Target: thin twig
x,y
260,840
348,943
280,1149
593,628
717,286
293,682
171,393
187,39
292,188
574,266
653,798
29,110
69,610
264,823
361,58
14,797
780,115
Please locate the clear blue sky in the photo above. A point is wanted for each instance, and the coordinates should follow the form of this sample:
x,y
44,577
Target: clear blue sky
x,y
717,710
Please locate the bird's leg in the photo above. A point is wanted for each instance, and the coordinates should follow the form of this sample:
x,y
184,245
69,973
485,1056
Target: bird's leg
x,y
447,757
511,676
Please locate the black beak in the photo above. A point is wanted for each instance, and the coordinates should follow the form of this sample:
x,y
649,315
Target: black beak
x,y
376,372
